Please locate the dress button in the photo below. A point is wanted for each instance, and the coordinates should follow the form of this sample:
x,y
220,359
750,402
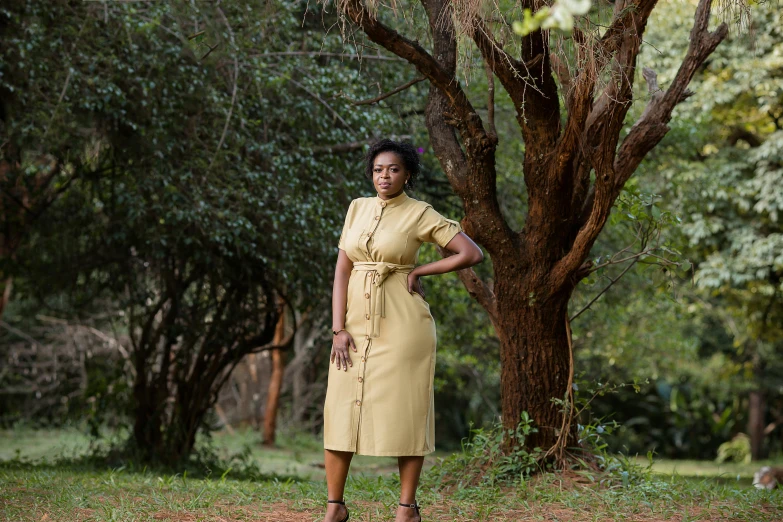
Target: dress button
x,y
363,359
361,380
366,316
377,218
369,235
367,296
358,403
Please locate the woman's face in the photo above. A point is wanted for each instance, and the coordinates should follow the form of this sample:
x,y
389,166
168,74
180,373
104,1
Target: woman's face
x,y
388,174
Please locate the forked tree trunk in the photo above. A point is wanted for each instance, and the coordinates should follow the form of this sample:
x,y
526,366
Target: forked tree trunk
x,y
575,166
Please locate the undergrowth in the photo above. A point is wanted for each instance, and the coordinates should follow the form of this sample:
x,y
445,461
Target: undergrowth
x,y
485,462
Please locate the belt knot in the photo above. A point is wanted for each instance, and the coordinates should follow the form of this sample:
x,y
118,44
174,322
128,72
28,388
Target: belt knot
x,y
380,271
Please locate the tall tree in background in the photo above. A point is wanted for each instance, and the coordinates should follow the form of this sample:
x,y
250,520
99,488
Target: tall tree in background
x,y
571,97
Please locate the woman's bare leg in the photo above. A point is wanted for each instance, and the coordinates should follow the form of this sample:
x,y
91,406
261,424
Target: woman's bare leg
x,y
337,464
410,471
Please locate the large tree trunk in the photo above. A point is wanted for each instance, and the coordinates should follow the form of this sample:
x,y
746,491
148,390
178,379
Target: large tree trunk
x,y
573,171
534,358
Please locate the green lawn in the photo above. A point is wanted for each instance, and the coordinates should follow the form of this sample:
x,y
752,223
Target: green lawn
x,y
291,488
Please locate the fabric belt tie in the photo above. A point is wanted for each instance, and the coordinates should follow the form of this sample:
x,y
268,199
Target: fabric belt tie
x,y
380,270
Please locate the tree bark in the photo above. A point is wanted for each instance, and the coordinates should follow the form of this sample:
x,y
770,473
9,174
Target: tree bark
x,y
534,358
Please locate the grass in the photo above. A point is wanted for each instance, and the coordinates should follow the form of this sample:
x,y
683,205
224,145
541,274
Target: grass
x,y
44,477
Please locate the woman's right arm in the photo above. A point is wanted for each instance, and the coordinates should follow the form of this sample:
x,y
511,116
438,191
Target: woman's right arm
x,y
341,341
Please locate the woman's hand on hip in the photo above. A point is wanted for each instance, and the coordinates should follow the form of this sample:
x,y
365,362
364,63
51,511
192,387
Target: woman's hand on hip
x,y
414,283
340,355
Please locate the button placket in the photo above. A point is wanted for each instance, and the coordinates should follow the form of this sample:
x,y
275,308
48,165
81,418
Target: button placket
x,y
357,416
371,232
368,289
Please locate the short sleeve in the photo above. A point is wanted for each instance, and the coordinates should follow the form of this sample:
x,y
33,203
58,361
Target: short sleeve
x,y
434,228
344,233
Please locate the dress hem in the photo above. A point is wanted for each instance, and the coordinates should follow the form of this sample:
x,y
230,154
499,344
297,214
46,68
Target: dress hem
x,y
383,453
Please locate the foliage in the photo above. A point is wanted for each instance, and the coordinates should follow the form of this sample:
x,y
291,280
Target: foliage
x,y
485,461
737,449
223,181
695,332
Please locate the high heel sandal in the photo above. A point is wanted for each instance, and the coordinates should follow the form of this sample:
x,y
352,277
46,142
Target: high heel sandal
x,y
414,506
347,515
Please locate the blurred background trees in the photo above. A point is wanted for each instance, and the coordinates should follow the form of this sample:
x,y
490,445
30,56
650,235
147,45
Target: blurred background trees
x,y
173,179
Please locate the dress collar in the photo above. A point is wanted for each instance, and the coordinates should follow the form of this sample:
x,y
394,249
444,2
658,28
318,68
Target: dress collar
x,y
393,202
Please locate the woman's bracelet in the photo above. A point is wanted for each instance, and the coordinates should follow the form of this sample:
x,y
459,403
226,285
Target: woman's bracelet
x,y
335,332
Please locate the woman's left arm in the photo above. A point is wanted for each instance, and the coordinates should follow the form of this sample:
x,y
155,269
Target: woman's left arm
x,y
467,253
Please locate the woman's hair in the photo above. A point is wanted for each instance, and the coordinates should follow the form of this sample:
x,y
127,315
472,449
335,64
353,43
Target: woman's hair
x,y
405,150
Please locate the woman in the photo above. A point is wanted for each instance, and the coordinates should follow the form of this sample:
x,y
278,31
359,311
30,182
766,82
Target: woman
x,y
379,399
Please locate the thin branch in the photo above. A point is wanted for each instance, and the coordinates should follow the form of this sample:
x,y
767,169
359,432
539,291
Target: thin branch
x,y
607,287
321,100
561,443
391,92
211,48
234,90
318,54
59,101
353,145
18,332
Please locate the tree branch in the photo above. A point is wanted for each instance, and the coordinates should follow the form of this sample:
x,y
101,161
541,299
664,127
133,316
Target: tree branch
x,y
605,122
648,131
233,91
534,95
391,92
318,54
477,288
353,145
416,55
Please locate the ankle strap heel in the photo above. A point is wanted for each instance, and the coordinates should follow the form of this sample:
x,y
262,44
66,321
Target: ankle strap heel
x,y
414,506
347,515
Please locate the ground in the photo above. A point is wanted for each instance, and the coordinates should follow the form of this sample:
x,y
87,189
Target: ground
x,y
43,478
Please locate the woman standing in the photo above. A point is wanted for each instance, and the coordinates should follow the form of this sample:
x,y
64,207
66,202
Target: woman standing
x,y
379,399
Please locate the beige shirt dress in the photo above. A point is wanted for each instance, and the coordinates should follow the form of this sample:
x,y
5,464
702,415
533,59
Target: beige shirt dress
x,y
384,404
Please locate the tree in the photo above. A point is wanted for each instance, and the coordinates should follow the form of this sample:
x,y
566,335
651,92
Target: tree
x,y
225,184
575,163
